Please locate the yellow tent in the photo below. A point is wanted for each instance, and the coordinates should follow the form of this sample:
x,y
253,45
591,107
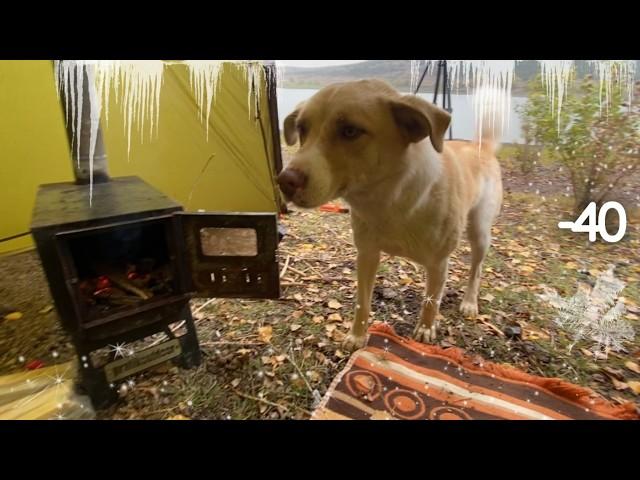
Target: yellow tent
x,y
239,176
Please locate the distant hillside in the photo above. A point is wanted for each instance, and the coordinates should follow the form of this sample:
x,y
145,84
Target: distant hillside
x,y
398,74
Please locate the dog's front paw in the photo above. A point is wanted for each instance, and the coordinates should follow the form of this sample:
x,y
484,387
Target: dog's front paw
x,y
354,342
425,334
469,309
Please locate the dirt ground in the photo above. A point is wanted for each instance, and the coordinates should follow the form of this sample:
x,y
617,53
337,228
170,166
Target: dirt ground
x,y
275,359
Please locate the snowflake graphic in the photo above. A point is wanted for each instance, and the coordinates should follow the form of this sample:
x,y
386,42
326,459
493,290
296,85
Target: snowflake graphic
x,y
594,314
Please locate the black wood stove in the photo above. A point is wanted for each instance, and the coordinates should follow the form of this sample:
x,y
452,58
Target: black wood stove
x,y
125,267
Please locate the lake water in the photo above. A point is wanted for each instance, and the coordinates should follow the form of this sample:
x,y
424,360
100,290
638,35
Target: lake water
x,y
463,123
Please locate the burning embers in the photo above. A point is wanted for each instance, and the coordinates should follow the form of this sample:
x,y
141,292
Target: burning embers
x,y
123,266
127,285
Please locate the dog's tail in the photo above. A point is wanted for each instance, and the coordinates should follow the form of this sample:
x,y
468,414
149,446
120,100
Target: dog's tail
x,y
491,107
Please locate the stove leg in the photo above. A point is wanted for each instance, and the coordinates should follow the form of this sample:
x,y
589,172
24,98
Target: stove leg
x,y
191,356
93,382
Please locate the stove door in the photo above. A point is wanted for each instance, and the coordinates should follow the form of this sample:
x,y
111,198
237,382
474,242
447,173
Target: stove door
x,y
231,255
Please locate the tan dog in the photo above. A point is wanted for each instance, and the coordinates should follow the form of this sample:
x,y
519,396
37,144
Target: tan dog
x,y
411,193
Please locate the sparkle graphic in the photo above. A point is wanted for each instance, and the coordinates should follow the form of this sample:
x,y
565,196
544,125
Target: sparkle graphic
x,y
119,350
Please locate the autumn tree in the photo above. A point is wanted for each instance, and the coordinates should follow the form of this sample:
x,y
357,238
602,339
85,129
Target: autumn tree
x,y
598,141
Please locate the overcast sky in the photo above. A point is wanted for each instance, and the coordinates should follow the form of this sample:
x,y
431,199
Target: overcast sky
x,y
315,63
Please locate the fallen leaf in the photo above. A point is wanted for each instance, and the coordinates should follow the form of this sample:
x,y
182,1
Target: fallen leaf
x,y
178,417
13,316
488,297
318,319
330,329
338,336
619,385
235,382
335,317
635,386
321,357
614,373
340,354
295,326
46,309
632,366
334,304
265,333
406,280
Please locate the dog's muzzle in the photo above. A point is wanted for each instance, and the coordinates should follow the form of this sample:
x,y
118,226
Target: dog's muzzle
x,y
291,181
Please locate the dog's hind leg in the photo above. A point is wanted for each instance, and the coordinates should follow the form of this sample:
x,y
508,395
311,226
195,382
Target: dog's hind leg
x,y
479,233
366,268
427,326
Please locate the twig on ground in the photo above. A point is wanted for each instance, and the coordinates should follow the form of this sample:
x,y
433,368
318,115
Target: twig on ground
x,y
284,268
205,304
293,362
299,272
491,326
211,344
261,400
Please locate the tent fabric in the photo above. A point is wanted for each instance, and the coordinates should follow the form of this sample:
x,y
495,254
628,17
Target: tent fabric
x,y
238,155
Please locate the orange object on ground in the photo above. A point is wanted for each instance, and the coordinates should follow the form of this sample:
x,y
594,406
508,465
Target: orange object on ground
x,y
332,207
393,377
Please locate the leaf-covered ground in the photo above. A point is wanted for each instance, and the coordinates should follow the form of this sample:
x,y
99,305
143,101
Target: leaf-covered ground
x,y
275,359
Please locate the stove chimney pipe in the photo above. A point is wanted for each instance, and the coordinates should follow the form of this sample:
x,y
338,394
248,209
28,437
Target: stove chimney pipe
x,y
81,165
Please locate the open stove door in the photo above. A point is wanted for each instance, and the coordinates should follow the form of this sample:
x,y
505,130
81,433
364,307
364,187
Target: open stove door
x,y
230,255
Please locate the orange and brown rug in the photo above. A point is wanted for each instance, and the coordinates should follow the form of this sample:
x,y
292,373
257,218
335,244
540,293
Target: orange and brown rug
x,y
397,378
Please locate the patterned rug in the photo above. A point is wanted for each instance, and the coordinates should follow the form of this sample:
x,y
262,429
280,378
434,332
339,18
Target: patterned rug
x,y
394,378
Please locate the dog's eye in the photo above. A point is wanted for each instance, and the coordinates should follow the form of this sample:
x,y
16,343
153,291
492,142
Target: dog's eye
x,y
350,132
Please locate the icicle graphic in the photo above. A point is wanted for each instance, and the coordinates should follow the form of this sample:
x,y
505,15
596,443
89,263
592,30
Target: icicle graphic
x,y
280,73
204,77
490,81
137,86
415,74
96,108
254,73
623,71
555,77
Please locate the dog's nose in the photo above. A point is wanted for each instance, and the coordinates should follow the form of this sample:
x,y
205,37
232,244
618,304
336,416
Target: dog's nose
x,y
291,180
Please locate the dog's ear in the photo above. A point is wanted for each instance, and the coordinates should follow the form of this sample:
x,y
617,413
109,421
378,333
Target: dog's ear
x,y
418,119
290,130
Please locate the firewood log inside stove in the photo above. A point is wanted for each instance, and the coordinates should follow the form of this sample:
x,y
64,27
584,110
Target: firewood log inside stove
x,y
127,285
